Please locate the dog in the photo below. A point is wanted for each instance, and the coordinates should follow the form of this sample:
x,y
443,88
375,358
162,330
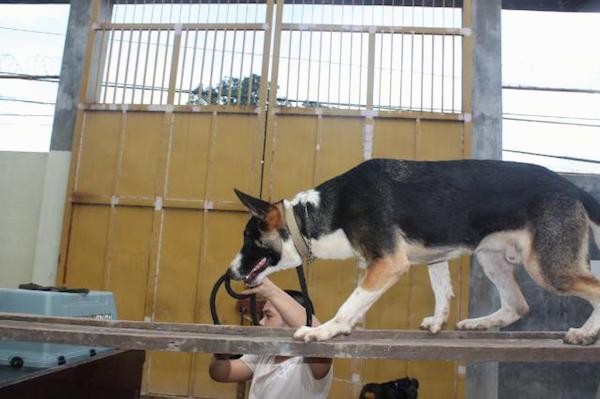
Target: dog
x,y
391,214
403,388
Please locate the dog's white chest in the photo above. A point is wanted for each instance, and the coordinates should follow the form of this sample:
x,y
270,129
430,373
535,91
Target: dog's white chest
x,y
333,246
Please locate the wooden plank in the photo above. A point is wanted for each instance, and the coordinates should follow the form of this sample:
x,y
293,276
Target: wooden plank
x,y
390,344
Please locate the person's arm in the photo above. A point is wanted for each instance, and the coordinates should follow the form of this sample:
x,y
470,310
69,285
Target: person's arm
x,y
294,315
222,369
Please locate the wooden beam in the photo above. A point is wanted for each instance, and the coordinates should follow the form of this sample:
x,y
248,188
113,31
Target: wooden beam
x,y
376,344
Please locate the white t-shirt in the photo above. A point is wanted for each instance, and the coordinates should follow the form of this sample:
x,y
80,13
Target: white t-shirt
x,y
290,379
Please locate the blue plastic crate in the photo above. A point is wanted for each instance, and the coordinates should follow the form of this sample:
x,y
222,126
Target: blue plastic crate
x,y
95,304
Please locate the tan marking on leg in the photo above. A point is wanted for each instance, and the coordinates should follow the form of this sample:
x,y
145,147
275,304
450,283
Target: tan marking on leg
x,y
384,272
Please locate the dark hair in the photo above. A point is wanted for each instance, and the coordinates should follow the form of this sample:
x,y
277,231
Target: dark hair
x,y
298,297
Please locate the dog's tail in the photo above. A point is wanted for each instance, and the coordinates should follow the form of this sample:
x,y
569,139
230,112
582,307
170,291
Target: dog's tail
x,y
592,208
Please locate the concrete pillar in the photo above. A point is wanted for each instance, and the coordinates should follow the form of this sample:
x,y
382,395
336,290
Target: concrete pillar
x,y
482,378
57,169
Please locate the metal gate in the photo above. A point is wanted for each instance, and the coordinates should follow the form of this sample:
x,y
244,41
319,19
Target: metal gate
x,y
182,101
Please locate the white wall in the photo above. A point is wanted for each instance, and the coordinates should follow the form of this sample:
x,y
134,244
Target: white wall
x,y
22,177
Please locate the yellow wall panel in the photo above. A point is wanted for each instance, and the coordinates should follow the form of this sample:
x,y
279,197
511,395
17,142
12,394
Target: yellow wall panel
x,y
128,260
175,296
236,155
331,282
168,373
292,147
439,140
383,370
87,247
394,138
436,379
137,175
188,159
177,280
97,158
340,146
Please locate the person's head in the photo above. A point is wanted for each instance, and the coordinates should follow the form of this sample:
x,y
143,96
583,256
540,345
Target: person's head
x,y
272,318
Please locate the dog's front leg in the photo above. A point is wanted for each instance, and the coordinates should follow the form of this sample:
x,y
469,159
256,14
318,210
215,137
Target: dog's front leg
x,y
439,276
381,274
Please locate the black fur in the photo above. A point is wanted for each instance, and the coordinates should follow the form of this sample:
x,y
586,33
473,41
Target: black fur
x,y
436,203
404,388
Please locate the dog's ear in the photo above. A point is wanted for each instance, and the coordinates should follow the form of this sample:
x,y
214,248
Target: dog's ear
x,y
258,208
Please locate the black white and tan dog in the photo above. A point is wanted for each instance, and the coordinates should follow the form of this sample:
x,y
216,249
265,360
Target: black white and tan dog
x,y
391,214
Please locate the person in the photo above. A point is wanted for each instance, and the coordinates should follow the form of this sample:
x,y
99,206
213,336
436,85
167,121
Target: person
x,y
277,376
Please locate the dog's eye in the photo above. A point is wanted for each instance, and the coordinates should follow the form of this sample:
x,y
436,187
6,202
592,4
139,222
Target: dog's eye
x,y
260,244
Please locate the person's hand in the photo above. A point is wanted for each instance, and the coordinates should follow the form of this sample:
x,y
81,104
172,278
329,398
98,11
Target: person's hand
x,y
265,289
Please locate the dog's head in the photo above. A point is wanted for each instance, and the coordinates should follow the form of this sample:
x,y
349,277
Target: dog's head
x,y
267,245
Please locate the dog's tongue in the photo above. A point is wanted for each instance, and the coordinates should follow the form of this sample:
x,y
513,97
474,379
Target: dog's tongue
x,y
256,270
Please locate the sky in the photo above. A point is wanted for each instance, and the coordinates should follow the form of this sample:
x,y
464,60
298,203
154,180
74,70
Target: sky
x,y
538,49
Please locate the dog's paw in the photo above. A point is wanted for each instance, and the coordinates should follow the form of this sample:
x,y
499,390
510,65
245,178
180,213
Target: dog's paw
x,y
580,336
323,332
434,325
473,324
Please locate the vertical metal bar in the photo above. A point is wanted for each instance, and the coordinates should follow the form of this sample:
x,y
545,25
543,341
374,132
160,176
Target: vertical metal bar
x,y
146,62
391,69
116,83
412,63
371,70
231,67
432,67
467,65
264,80
127,67
164,72
212,66
137,56
320,56
299,68
443,68
340,68
422,68
185,48
201,80
174,65
250,83
193,66
154,67
289,65
380,68
239,93
329,65
221,66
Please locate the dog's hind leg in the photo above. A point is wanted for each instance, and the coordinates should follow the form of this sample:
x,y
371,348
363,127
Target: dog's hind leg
x,y
512,303
439,276
559,259
380,275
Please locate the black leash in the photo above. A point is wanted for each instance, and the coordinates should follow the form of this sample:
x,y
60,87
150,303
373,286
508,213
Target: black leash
x,y
226,278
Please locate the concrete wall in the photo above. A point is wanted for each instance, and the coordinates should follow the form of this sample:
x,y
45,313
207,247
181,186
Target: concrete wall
x,y
21,184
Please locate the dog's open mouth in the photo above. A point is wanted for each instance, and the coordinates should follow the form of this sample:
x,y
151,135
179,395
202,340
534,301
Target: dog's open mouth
x,y
256,270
